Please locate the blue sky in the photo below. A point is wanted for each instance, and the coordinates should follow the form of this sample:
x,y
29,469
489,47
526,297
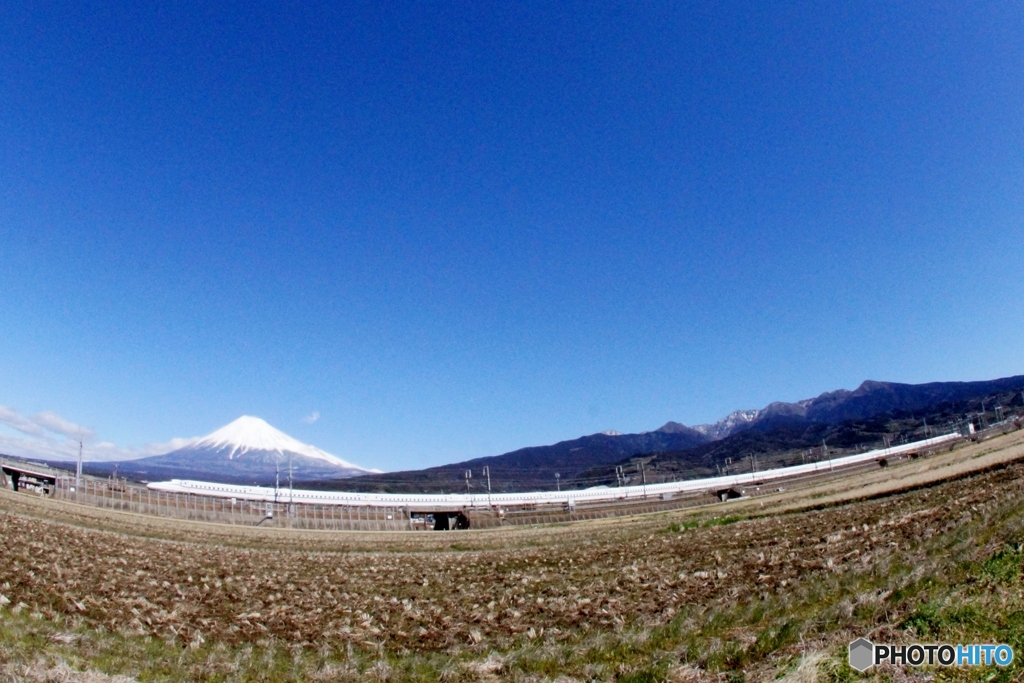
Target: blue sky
x,y
455,229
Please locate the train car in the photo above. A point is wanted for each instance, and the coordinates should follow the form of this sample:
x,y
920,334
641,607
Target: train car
x,y
567,499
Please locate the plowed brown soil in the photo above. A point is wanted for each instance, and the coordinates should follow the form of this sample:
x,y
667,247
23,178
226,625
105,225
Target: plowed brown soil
x,y
444,592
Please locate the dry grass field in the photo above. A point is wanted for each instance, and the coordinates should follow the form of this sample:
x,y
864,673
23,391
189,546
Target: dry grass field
x,y
750,590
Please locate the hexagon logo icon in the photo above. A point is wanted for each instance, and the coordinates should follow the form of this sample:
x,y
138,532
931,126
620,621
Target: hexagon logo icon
x,y
862,654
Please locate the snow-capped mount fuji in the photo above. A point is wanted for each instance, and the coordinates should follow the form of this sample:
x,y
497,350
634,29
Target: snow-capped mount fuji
x,y
247,451
255,437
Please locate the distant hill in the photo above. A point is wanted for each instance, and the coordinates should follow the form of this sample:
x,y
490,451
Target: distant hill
x,y
527,468
787,437
777,433
869,399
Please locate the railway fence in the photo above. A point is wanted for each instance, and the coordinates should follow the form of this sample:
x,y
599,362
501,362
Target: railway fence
x,y
123,495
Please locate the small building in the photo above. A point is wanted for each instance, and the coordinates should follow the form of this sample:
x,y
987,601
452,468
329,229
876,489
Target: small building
x,y
30,477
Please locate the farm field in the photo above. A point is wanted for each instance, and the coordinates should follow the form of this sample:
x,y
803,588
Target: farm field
x,y
753,589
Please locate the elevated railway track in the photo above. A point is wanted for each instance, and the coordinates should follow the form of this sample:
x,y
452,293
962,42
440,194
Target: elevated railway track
x,y
265,506
571,499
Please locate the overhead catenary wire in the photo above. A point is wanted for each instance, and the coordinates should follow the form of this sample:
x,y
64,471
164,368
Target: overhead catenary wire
x,y
470,500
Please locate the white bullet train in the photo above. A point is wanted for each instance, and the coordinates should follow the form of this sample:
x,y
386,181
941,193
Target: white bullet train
x,y
455,501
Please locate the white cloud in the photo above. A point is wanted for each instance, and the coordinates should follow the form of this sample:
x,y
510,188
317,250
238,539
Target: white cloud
x,y
44,425
53,422
30,447
311,418
167,446
13,419
48,436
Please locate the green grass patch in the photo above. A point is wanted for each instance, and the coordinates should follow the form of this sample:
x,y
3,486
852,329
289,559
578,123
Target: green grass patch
x,y
680,527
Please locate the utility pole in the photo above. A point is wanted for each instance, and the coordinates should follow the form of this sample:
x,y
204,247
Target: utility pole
x,y
277,477
643,477
469,475
291,494
558,483
620,476
487,473
78,472
827,454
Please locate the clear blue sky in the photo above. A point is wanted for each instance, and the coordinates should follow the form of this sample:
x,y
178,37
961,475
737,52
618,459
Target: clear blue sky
x,y
455,229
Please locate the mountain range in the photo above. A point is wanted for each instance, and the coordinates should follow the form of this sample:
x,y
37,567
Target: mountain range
x,y
843,418
251,451
869,399
527,468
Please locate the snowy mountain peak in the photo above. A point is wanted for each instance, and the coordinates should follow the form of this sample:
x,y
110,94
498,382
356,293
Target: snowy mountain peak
x,y
249,433
731,423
